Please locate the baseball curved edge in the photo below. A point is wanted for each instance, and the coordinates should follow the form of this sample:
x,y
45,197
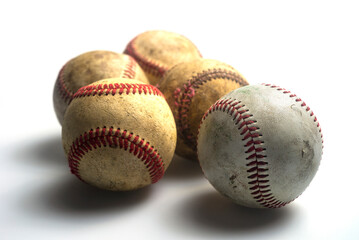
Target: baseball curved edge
x,y
255,149
145,63
183,97
116,138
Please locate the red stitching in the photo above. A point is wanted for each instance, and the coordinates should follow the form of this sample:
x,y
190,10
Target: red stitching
x,y
257,165
303,104
117,88
145,63
183,97
130,68
116,138
67,95
64,92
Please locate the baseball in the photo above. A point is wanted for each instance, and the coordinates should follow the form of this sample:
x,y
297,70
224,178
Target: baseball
x,y
119,134
88,68
158,51
260,145
190,88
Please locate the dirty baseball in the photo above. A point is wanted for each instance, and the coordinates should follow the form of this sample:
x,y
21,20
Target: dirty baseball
x,y
119,134
157,51
190,88
260,146
87,68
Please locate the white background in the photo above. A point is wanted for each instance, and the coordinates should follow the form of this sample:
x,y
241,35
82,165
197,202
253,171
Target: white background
x,y
308,47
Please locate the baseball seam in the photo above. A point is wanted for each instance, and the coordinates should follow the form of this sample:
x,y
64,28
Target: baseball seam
x,y
183,97
254,147
116,138
67,95
145,63
302,104
117,88
64,92
130,68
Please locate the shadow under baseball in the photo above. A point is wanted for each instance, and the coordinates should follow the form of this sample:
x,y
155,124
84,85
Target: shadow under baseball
x,y
213,212
181,169
47,150
73,197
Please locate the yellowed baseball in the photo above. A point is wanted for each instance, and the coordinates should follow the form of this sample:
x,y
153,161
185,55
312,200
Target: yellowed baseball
x,y
88,68
190,88
119,134
157,51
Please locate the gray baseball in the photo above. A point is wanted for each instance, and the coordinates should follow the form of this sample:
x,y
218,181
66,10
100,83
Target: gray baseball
x,y
260,145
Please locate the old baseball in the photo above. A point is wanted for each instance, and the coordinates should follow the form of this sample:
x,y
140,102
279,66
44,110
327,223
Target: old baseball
x,y
157,51
260,145
190,88
119,134
88,68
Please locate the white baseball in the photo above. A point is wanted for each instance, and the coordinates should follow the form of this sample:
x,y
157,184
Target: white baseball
x,y
260,145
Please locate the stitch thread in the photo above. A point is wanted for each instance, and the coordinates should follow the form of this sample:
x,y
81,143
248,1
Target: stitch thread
x,y
67,95
303,104
255,150
116,138
117,88
61,87
146,64
183,97
130,68
259,183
